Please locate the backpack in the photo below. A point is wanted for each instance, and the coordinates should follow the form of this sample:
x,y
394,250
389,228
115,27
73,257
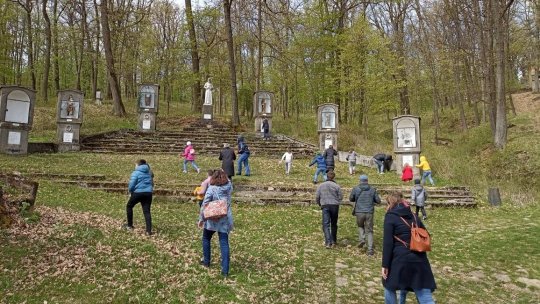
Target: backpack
x,y
420,238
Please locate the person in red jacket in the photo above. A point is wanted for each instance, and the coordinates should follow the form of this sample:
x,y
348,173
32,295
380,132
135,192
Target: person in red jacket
x,y
407,173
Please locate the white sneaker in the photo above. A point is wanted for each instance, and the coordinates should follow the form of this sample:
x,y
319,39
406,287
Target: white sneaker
x,y
184,171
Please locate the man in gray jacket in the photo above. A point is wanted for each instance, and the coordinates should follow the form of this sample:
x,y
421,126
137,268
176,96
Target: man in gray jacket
x,y
329,196
364,198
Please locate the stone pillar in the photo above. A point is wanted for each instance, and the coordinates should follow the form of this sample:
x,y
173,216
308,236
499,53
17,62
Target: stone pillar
x,y
148,104
262,109
16,118
327,117
407,142
69,117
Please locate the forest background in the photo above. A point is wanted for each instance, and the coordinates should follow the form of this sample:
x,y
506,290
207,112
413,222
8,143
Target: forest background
x,y
454,63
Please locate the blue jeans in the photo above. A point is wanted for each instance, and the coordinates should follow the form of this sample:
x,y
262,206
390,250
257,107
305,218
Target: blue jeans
x,y
319,171
243,159
422,295
329,224
193,164
427,175
380,165
288,167
223,245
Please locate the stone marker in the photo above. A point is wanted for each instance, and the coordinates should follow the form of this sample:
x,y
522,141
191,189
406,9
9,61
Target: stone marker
x,y
16,118
328,125
407,143
262,109
69,116
494,197
148,104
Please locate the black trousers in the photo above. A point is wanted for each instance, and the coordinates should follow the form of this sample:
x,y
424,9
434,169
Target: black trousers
x,y
145,198
421,208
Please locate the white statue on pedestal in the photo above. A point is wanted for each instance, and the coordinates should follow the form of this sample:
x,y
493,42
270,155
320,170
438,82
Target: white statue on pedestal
x,y
208,93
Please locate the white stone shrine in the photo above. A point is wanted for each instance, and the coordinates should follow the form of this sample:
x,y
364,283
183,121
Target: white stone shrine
x,y
69,119
16,118
148,105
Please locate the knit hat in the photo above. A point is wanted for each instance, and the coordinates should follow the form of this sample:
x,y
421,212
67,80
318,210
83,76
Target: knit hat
x,y
188,143
363,178
417,181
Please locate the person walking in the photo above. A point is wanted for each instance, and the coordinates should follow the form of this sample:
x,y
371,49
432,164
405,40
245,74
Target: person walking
x,y
426,170
243,151
321,167
379,159
329,197
364,198
266,129
403,269
287,157
227,158
329,158
419,197
141,186
220,189
189,157
351,158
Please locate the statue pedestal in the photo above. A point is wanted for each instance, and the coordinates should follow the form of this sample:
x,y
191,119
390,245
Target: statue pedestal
x,y
327,138
67,135
147,122
208,111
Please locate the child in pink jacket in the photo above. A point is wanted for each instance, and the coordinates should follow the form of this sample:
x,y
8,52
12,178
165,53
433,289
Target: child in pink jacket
x,y
189,157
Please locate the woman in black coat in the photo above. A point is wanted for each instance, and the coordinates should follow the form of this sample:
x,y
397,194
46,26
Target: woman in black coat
x,y
227,158
403,269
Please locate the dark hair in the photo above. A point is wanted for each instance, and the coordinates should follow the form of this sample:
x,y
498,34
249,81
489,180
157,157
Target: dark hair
x,y
330,175
210,172
417,181
219,178
141,162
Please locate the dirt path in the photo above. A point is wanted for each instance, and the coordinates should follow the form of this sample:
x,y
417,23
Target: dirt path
x,y
528,102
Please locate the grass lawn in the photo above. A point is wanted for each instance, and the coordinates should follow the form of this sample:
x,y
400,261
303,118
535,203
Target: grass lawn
x,y
77,252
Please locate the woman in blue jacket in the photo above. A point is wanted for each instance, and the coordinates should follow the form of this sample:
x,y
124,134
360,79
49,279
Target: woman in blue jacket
x,y
220,189
140,186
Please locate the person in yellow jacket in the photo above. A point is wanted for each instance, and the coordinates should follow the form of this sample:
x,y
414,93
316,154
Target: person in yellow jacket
x,y
426,170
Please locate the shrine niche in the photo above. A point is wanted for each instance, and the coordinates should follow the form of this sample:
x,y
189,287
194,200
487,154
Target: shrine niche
x,y
327,115
406,131
69,120
16,118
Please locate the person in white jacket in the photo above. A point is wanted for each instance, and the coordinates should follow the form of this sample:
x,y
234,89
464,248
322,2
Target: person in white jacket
x,y
287,157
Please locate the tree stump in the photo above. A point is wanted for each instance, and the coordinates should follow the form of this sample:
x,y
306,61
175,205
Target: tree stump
x,y
494,197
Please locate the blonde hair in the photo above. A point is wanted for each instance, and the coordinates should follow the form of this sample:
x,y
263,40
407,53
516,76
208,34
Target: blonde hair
x,y
393,199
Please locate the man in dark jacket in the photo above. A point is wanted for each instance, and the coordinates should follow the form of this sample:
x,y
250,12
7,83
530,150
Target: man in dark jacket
x,y
266,129
379,159
329,196
243,150
227,158
329,158
364,198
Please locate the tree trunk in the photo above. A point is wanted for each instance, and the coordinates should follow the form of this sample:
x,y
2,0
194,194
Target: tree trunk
x,y
47,55
499,23
232,67
260,81
196,104
95,57
118,106
28,6
56,64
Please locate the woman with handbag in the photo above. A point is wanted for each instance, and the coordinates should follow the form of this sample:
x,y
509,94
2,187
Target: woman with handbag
x,y
403,268
216,216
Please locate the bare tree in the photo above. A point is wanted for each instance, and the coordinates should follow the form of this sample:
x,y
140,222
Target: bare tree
x,y
232,66
118,108
47,55
195,65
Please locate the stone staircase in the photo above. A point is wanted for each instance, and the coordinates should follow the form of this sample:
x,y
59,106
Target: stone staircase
x,y
261,195
206,138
